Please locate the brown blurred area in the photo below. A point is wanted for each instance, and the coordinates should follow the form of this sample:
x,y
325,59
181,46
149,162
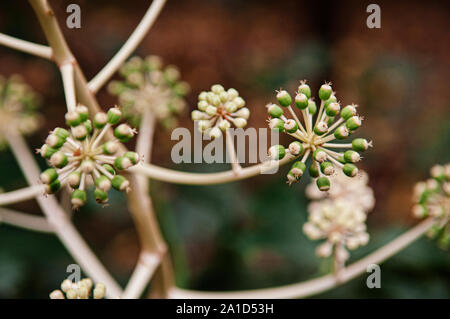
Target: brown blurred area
x,y
398,75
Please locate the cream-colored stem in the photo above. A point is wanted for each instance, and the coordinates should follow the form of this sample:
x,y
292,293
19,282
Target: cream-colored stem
x,y
20,195
26,221
67,74
145,268
317,285
130,45
141,207
59,221
235,166
40,50
177,177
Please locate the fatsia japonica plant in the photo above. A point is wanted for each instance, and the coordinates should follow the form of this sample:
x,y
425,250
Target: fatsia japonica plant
x,y
87,155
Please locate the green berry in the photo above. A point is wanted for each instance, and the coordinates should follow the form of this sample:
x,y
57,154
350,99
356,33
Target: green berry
x,y
327,168
301,101
120,183
321,128
132,156
353,123
333,109
319,155
325,92
312,107
109,169
79,198
53,187
360,144
100,120
102,182
114,115
305,89
48,176
348,111
296,148
323,183
74,179
59,159
62,133
284,98
277,152
291,126
55,141
274,110
83,112
341,132
350,170
123,132
122,163
314,170
73,118
298,169
100,196
276,124
351,156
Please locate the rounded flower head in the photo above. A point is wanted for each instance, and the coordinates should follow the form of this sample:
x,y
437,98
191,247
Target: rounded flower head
x,y
355,190
340,223
432,199
218,109
79,290
84,154
315,134
149,85
18,105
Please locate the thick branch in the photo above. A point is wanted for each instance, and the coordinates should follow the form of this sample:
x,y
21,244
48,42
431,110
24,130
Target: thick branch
x,y
317,285
133,41
40,50
20,195
145,268
67,74
27,221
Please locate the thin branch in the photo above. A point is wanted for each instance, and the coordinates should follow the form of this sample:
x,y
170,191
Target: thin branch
x,y
317,285
39,50
27,221
65,230
177,177
145,268
67,74
130,45
20,195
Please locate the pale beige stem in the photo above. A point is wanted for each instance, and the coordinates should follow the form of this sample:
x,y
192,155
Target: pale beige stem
x,y
317,285
177,177
40,50
130,45
26,221
20,195
235,166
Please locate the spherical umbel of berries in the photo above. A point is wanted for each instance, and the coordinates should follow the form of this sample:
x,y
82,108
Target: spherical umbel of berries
x,y
149,85
432,199
314,132
83,289
218,109
18,104
83,154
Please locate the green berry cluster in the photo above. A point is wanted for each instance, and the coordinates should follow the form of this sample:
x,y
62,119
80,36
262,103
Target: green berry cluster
x,y
148,84
432,199
218,109
18,104
84,154
318,127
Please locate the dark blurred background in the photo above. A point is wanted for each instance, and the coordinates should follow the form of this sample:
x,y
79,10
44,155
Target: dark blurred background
x,y
249,234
